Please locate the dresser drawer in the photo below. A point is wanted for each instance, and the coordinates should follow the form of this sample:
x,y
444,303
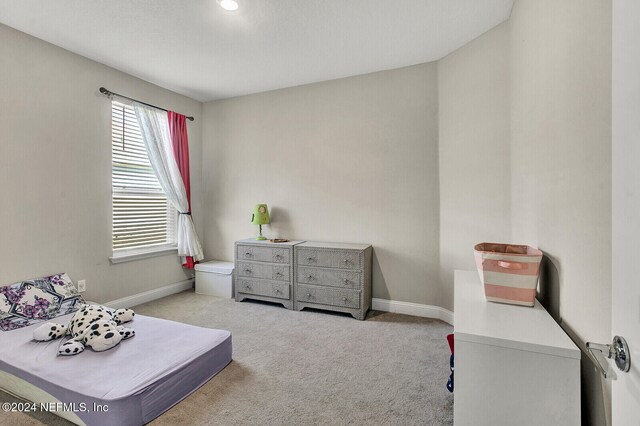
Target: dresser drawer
x,y
263,254
276,289
263,270
327,296
343,259
328,277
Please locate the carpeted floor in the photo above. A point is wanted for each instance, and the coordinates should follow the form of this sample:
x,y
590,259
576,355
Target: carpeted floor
x,y
309,367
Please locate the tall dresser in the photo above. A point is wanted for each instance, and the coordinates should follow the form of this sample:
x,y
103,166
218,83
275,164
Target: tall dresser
x,y
264,271
333,276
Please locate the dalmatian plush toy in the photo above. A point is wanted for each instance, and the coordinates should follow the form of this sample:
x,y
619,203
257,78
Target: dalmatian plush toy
x,y
91,326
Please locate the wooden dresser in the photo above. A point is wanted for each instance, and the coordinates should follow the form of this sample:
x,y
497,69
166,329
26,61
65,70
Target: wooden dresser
x,y
264,271
333,276
514,365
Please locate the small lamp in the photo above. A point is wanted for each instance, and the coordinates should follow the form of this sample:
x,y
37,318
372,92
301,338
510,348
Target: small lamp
x,y
260,217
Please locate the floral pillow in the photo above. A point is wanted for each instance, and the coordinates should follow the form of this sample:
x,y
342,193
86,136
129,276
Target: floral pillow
x,y
41,299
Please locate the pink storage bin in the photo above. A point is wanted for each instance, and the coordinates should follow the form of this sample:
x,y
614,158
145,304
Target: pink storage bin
x,y
509,272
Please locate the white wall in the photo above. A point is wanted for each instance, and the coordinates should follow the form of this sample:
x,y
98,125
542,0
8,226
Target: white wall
x,y
473,152
349,160
560,60
55,168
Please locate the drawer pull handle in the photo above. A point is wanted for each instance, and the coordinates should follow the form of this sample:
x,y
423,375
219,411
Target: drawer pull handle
x,y
344,299
248,271
310,259
247,287
248,254
346,261
309,295
311,277
278,256
278,273
277,291
346,281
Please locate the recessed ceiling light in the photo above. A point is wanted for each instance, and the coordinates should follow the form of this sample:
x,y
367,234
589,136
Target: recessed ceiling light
x,y
229,5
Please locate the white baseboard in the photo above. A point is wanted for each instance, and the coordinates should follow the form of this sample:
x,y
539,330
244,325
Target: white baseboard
x,y
148,296
415,309
407,308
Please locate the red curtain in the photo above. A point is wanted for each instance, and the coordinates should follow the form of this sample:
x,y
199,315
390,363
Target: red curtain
x,y
180,142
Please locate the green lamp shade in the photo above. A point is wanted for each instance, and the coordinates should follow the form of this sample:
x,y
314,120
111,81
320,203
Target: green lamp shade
x,y
260,215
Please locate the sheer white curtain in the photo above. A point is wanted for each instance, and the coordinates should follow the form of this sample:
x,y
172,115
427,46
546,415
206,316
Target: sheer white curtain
x,y
154,126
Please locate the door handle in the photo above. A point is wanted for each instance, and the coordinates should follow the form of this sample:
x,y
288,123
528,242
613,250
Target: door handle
x,y
618,350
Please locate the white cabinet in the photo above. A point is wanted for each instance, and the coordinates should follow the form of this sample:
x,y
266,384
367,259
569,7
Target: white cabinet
x,y
514,365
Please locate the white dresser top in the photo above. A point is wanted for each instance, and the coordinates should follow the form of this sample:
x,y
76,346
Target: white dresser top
x,y
510,326
345,246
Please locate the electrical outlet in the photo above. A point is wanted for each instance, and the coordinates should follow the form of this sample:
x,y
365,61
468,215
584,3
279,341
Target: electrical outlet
x,y
82,285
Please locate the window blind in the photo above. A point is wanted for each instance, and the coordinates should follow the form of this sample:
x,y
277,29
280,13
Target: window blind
x,y
142,216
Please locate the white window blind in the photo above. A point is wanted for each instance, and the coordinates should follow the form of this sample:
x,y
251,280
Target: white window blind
x,y
142,217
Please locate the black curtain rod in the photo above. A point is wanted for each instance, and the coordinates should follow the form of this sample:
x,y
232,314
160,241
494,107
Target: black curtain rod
x,y
110,93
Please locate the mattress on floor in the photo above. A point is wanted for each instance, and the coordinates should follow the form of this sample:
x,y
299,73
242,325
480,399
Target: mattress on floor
x,y
137,380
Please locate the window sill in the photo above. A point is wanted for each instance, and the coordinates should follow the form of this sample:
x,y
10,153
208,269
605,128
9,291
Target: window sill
x,y
143,253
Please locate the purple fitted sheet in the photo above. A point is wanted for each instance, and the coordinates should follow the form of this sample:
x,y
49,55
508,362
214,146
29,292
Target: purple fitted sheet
x,y
137,380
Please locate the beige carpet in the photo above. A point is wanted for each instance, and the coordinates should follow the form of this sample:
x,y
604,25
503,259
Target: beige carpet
x,y
309,367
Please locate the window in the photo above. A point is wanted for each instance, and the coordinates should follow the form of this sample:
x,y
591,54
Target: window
x,y
143,219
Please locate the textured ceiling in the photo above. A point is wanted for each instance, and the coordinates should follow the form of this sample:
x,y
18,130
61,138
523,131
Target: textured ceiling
x,y
196,48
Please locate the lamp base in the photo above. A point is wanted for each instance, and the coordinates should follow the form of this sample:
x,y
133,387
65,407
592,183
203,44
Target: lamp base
x,y
260,237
